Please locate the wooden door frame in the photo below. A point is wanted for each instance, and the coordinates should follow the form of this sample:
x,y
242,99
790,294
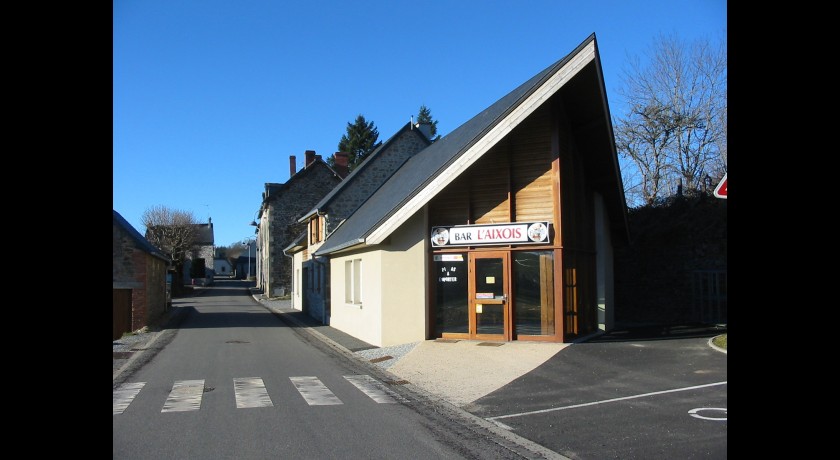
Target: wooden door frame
x,y
507,328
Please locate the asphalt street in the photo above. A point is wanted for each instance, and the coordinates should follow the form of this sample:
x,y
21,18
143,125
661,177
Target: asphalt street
x,y
648,392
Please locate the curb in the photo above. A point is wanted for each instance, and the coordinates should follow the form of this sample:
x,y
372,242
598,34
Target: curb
x,y
711,344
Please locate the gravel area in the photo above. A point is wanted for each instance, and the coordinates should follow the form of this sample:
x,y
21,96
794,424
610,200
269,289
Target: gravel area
x,y
127,342
395,352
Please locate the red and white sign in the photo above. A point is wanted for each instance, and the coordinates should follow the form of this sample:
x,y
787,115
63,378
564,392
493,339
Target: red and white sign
x,y
475,235
720,190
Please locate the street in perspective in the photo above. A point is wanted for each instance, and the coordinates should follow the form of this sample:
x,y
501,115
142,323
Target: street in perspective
x,y
234,374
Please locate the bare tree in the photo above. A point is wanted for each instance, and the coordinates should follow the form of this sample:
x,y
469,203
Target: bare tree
x,y
173,232
644,137
675,127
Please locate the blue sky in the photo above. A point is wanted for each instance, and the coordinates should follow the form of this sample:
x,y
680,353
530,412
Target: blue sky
x,y
211,97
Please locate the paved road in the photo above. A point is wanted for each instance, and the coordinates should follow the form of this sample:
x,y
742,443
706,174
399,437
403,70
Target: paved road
x,y
637,393
235,381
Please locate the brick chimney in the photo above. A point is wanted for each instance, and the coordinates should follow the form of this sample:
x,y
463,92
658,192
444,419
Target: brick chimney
x,y
341,166
292,166
310,157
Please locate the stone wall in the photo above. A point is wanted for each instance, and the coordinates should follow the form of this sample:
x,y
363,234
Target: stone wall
x,y
300,196
144,274
371,176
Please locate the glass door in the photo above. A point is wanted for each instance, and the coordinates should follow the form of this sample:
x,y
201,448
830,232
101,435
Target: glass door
x,y
489,306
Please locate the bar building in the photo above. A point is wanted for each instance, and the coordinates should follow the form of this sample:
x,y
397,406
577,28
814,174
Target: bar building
x,y
502,230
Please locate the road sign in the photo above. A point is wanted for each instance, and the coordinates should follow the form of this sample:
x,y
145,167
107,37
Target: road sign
x,y
720,190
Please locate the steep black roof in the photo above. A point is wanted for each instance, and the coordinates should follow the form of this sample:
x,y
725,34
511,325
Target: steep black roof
x,y
204,234
426,165
141,242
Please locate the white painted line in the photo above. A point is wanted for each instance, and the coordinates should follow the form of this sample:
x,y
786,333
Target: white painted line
x,y
125,394
694,413
375,389
251,392
314,392
543,411
185,396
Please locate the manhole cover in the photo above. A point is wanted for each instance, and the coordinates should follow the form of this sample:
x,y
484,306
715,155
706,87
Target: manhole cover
x,y
447,340
490,344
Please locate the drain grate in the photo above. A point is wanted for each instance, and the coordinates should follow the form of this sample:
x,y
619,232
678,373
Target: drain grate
x,y
122,354
447,340
380,359
490,344
397,382
237,341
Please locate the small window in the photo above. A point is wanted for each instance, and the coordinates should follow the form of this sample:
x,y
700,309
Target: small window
x,y
353,281
316,229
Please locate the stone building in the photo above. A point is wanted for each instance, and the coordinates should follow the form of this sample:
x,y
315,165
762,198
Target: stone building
x,y
204,248
282,205
310,275
139,279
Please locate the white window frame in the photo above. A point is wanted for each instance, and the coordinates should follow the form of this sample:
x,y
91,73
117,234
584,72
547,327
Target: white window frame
x,y
353,281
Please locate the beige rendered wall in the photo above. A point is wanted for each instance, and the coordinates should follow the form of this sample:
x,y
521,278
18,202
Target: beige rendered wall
x,y
363,321
404,286
297,285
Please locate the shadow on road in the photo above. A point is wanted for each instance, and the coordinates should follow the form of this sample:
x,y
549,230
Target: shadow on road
x,y
660,332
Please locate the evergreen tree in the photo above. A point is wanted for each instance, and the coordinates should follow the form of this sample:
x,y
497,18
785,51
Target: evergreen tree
x,y
425,116
361,139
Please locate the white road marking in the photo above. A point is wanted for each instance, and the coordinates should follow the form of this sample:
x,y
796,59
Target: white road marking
x,y
314,392
694,413
251,392
185,396
374,389
543,411
125,394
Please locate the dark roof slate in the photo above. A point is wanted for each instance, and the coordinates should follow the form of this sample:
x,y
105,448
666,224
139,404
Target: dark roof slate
x,y
142,242
204,234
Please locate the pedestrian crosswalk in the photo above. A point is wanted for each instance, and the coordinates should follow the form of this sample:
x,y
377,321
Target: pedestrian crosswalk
x,y
251,392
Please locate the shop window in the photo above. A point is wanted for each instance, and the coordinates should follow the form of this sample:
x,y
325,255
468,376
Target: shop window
x,y
451,293
533,287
